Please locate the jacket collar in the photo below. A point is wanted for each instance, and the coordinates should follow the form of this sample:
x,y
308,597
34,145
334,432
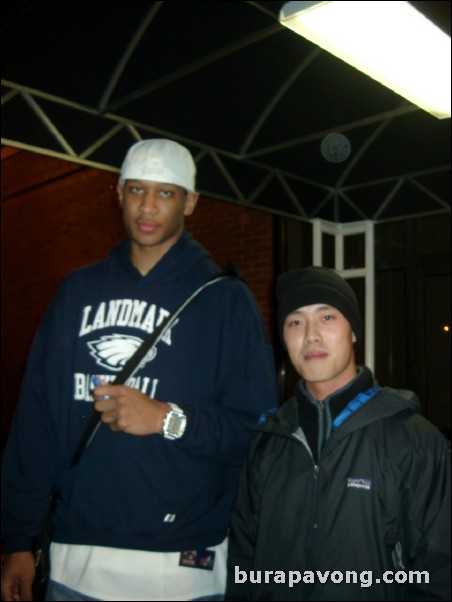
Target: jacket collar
x,y
286,420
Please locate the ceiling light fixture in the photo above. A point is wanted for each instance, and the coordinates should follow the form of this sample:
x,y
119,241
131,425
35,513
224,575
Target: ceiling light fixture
x,y
391,42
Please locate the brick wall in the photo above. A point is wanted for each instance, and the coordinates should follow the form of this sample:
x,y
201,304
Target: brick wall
x,y
243,236
58,215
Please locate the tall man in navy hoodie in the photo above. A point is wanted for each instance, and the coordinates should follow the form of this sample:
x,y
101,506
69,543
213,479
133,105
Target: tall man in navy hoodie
x,y
144,514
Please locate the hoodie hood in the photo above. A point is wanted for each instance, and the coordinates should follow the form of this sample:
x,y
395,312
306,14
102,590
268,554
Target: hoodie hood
x,y
185,256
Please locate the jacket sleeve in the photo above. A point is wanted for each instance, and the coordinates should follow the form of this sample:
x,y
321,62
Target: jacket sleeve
x,y
32,454
245,381
243,531
426,528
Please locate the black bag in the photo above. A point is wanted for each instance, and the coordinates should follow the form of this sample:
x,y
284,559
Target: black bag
x,y
42,554
42,562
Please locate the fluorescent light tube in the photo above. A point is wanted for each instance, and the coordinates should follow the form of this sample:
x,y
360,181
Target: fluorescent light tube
x,y
391,42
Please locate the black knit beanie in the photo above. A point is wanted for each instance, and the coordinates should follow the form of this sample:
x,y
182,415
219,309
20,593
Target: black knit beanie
x,y
312,285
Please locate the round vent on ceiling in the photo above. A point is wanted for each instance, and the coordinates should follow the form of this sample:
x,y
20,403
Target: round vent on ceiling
x,y
335,148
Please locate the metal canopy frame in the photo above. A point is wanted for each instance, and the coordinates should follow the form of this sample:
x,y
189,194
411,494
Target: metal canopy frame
x,y
254,172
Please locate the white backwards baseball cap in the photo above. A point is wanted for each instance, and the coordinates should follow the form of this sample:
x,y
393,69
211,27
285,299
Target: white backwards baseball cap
x,y
159,160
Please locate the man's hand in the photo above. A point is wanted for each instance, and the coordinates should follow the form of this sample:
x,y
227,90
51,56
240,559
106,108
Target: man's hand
x,y
18,573
128,410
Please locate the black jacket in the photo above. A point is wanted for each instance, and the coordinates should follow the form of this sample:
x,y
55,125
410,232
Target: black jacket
x,y
378,499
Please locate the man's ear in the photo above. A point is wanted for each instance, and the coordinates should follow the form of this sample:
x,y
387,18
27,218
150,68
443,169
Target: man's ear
x,y
191,201
119,192
354,339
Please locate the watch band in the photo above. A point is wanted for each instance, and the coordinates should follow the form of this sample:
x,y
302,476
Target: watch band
x,y
175,407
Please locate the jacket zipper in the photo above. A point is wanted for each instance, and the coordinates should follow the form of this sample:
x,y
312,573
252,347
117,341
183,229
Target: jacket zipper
x,y
316,476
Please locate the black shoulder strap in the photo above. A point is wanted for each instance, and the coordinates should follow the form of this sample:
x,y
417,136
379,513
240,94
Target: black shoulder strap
x,y
134,362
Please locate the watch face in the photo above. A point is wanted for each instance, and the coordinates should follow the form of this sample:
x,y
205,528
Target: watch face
x,y
175,423
174,426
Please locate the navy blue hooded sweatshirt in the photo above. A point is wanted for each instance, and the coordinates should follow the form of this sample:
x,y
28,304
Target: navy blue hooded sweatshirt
x,y
145,493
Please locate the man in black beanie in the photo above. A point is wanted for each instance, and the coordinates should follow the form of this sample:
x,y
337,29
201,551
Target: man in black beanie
x,y
345,494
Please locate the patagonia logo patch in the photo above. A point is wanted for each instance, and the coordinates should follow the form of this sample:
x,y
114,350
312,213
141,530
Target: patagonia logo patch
x,y
359,483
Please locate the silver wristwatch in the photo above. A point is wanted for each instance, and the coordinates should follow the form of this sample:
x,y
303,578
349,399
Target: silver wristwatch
x,y
174,423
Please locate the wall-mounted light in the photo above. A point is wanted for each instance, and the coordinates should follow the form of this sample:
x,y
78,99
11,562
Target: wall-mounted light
x,y
391,42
